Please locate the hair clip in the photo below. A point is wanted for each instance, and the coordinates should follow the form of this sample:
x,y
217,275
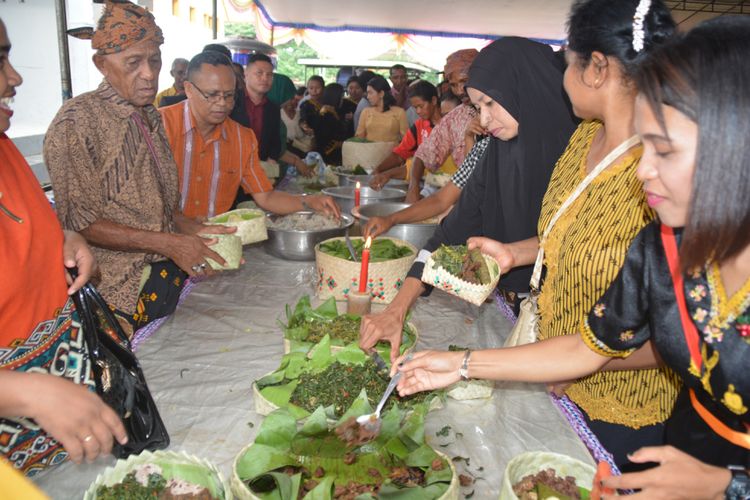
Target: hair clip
x,y
638,19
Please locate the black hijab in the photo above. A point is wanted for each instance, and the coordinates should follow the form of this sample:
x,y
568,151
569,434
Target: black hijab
x,y
503,196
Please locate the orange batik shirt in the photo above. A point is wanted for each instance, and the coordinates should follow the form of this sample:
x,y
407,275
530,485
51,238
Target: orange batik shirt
x,y
211,169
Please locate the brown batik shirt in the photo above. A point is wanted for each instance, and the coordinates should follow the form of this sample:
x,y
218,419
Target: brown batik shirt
x,y
109,161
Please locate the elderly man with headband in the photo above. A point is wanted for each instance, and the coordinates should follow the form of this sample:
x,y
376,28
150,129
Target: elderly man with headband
x,y
114,177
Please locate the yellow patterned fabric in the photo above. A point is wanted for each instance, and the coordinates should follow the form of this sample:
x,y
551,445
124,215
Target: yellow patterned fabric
x,y
582,255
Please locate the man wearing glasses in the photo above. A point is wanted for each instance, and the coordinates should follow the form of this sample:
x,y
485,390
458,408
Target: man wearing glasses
x,y
216,155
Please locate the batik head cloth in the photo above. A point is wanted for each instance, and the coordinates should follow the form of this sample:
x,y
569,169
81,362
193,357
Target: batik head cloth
x,y
459,62
122,25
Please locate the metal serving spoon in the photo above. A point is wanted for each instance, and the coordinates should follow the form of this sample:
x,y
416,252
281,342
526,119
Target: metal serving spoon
x,y
372,420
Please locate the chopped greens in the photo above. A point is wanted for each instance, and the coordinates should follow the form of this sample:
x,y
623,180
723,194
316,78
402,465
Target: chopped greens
x,y
311,325
469,265
381,249
339,385
131,488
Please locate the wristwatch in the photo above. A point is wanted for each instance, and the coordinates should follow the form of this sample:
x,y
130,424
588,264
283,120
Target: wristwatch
x,y
739,486
463,372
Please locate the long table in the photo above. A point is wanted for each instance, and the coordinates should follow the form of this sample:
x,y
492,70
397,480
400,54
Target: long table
x,y
200,366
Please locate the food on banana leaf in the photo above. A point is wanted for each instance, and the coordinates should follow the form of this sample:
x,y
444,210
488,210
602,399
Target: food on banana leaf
x,y
337,381
469,265
306,324
380,250
288,464
147,481
547,485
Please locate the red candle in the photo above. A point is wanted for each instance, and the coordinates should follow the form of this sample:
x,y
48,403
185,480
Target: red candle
x,y
357,189
365,264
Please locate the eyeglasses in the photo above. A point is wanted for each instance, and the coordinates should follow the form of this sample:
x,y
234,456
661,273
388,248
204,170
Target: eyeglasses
x,y
215,97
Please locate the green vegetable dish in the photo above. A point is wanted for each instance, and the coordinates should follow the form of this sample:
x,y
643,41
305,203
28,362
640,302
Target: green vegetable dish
x,y
380,250
315,463
338,381
469,265
153,481
306,326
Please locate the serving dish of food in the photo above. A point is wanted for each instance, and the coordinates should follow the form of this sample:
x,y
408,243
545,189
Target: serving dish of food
x,y
467,274
320,461
416,233
160,474
546,475
306,326
250,224
337,273
294,236
337,381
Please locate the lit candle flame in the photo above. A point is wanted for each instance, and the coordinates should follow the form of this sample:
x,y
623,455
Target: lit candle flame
x,y
368,242
358,185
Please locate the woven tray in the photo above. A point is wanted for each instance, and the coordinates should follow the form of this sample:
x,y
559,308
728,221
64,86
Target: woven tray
x,y
367,155
271,169
535,461
437,180
443,280
242,492
116,473
471,389
251,230
229,247
337,276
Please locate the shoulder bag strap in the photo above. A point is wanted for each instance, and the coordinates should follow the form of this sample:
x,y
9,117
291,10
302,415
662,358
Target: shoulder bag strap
x,y
606,162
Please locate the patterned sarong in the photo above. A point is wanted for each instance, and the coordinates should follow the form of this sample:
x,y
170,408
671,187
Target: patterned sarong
x,y
56,347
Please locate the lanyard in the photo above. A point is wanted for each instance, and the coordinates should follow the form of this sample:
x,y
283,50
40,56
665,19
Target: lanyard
x,y
693,340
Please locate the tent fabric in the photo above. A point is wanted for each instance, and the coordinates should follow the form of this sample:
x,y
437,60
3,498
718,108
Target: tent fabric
x,y
425,30
488,19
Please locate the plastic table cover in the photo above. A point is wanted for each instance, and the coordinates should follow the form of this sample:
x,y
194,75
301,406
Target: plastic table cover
x,y
201,363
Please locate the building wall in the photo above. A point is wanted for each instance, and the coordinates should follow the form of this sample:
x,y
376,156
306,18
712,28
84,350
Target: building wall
x,y
32,30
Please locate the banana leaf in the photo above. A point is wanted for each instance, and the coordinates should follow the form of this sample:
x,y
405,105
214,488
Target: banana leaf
x,y
307,325
334,380
315,452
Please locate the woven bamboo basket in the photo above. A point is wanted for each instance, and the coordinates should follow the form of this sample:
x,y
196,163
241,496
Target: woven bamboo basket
x,y
471,389
536,461
243,492
250,230
229,247
116,473
367,155
271,169
443,280
336,276
437,180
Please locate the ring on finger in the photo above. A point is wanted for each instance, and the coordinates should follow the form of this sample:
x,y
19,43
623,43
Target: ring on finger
x,y
88,438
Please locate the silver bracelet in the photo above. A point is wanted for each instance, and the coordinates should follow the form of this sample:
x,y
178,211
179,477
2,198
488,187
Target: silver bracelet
x,y
463,372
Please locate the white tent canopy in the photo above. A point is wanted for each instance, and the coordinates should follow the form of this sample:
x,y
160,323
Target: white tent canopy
x,y
540,19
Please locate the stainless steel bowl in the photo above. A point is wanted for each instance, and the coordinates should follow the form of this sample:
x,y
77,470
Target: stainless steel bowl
x,y
351,180
344,196
300,245
416,234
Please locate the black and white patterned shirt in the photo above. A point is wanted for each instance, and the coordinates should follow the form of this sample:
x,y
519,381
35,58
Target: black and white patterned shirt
x,y
461,177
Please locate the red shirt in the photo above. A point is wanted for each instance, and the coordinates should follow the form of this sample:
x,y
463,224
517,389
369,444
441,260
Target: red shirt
x,y
255,114
415,136
31,252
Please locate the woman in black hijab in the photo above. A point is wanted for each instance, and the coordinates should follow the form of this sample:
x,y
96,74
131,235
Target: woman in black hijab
x,y
522,82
